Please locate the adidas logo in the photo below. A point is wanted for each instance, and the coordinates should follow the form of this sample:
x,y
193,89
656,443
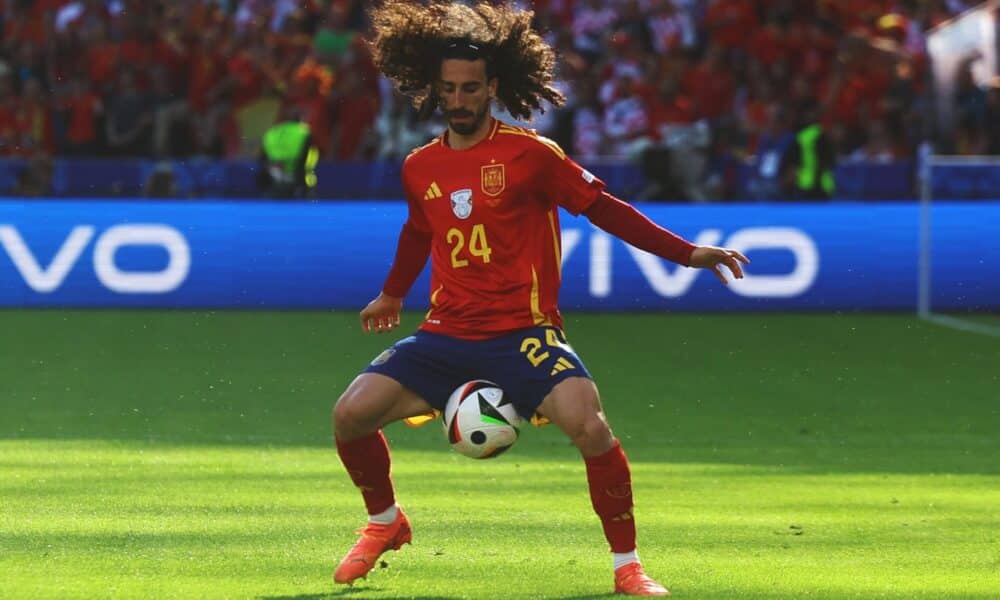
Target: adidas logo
x,y
433,191
561,365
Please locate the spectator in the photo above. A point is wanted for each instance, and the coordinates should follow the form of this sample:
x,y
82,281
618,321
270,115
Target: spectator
x,y
626,121
170,115
635,26
587,123
397,128
730,23
311,89
723,165
710,84
30,64
625,60
356,109
767,45
83,110
130,119
8,108
83,14
35,179
773,159
970,100
287,159
203,73
811,159
670,28
993,117
668,112
674,163
590,22
879,146
23,26
33,121
102,57
334,38
161,183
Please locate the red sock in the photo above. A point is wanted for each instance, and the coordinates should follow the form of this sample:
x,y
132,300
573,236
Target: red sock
x,y
367,462
611,495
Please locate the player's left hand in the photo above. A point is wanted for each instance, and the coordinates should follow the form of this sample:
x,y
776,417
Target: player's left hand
x,y
711,257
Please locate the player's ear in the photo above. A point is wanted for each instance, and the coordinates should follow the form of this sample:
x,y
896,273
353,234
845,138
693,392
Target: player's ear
x,y
491,87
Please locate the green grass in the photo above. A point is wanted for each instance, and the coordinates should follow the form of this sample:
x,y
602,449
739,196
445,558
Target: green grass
x,y
187,455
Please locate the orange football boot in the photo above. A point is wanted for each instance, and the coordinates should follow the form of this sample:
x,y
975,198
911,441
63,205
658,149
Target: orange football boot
x,y
631,581
375,540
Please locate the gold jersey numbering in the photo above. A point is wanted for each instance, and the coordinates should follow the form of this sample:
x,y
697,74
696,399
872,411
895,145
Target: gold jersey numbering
x,y
479,246
531,347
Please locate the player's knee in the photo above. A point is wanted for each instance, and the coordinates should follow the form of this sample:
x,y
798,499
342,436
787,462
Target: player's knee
x,y
592,436
349,418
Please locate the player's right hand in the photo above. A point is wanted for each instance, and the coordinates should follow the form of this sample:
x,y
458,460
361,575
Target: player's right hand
x,y
381,314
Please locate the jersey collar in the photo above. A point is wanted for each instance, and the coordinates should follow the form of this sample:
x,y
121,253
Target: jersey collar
x,y
493,131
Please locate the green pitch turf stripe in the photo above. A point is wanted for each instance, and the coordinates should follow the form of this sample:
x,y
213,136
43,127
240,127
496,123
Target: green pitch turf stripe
x,y
188,454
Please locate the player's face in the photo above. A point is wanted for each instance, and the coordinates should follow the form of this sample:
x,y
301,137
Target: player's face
x,y
465,94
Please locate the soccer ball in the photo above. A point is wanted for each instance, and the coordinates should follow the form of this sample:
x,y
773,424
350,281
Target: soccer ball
x,y
480,421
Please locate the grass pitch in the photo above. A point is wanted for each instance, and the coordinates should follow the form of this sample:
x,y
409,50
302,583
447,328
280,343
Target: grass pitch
x,y
188,455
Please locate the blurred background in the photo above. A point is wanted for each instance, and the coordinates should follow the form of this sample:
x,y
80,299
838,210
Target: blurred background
x,y
669,100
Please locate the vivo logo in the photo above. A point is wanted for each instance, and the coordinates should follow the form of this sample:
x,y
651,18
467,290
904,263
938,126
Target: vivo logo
x,y
675,283
47,279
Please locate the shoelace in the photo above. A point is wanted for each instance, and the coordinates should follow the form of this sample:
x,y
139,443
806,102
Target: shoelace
x,y
381,536
627,578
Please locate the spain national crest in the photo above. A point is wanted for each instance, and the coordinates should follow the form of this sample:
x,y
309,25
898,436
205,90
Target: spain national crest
x,y
494,180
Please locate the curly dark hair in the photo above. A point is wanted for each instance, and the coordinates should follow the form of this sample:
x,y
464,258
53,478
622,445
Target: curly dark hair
x,y
412,38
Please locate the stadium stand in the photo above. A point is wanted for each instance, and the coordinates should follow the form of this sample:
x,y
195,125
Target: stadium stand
x,y
709,99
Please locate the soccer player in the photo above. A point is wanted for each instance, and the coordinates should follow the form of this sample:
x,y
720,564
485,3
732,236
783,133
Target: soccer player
x,y
483,204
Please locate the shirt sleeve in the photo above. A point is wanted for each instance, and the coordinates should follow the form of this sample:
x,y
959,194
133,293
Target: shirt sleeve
x,y
625,222
413,248
411,255
416,219
567,183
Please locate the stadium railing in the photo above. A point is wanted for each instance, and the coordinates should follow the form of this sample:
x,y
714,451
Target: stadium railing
x,y
108,178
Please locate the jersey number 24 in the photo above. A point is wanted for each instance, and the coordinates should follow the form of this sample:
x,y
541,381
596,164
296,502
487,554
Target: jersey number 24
x,y
478,245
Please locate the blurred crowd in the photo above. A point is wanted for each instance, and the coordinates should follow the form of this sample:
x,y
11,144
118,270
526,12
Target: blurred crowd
x,y
698,85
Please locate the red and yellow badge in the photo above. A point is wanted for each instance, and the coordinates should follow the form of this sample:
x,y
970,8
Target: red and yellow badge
x,y
494,180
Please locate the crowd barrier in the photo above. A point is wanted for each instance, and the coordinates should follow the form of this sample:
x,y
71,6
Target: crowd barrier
x,y
223,254
380,179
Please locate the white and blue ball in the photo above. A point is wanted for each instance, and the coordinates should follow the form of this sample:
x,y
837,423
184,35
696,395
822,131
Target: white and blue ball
x,y
480,421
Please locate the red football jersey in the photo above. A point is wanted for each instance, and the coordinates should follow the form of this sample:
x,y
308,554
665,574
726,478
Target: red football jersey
x,y
492,212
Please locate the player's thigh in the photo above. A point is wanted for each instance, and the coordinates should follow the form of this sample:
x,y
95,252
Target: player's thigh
x,y
412,377
574,406
529,363
372,401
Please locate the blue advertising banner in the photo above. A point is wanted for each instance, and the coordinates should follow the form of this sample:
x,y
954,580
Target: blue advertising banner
x,y
825,257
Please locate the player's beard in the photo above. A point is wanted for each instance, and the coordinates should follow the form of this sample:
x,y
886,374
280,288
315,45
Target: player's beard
x,y
471,126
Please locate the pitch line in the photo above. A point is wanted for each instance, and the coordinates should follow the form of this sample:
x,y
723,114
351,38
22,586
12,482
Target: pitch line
x,y
962,325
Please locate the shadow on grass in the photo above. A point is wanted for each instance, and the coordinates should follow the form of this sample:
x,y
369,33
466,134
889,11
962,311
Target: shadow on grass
x,y
350,592
774,595
359,593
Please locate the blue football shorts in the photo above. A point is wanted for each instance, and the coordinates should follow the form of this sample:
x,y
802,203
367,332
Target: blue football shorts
x,y
526,364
